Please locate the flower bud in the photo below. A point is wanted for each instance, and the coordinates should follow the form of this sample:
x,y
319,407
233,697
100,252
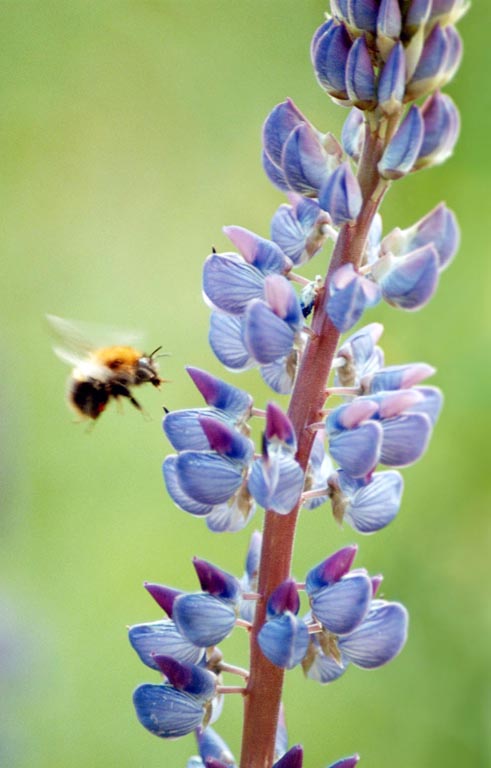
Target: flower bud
x,y
349,295
360,76
441,130
389,24
353,134
330,56
402,151
392,81
432,64
341,195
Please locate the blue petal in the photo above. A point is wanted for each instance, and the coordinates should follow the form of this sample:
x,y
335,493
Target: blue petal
x,y
405,439
403,149
176,493
392,80
382,636
278,125
211,745
280,489
162,638
376,504
230,283
323,668
266,336
432,403
413,281
167,712
304,161
203,619
208,477
360,77
329,58
352,133
274,173
284,640
183,428
280,375
346,306
221,395
232,516
358,450
342,606
227,343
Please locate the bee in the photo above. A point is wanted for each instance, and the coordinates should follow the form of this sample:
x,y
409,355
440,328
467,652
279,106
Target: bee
x,y
101,373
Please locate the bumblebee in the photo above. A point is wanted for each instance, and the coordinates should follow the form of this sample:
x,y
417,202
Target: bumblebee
x,y
101,373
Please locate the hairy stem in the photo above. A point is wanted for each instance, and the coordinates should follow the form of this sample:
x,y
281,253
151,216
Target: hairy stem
x,y
264,688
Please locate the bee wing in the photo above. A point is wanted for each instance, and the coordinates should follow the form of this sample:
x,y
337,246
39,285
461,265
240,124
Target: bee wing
x,y
74,342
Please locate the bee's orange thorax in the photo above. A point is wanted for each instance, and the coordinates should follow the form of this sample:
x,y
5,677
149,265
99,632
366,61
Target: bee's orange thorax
x,y
117,358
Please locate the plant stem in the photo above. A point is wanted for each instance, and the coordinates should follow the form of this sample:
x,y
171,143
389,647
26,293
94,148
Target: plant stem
x,y
264,688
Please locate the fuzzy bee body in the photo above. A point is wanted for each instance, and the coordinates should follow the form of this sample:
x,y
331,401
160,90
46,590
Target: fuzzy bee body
x,y
103,373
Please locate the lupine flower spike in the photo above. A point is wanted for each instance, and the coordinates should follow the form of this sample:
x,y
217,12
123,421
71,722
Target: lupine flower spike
x,y
353,420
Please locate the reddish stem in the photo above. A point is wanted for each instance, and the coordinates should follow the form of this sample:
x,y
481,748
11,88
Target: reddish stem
x,y
262,702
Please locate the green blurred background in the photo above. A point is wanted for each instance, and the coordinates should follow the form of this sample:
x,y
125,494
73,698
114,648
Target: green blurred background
x,y
129,134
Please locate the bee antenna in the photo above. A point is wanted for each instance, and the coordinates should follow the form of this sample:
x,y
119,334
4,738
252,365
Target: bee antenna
x,y
155,352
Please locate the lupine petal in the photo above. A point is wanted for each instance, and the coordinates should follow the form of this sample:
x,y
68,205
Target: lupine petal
x,y
403,149
342,606
363,14
203,619
397,377
304,161
376,504
346,304
346,762
358,450
220,394
379,638
207,477
405,439
216,581
330,570
413,280
274,173
278,125
183,428
267,337
176,493
284,640
226,440
212,746
226,341
229,283
431,404
166,712
280,492
341,195
321,667
360,76
329,58
392,81
280,374
188,678
281,297
441,130
353,134
291,759
162,637
264,255
233,515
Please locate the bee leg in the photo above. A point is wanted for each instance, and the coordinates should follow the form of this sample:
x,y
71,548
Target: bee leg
x,y
119,390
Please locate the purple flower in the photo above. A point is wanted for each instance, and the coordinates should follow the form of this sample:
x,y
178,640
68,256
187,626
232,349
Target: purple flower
x,y
349,295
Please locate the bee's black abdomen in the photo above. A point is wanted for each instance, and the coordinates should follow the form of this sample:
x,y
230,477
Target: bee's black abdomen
x,y
88,397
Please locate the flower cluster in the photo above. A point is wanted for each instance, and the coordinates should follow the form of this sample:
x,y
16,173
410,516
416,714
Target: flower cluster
x,y
345,625
386,61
